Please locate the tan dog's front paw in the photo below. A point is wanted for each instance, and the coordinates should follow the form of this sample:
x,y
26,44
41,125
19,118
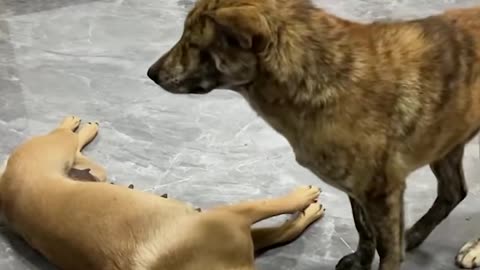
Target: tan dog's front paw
x,y
311,214
303,196
87,133
70,122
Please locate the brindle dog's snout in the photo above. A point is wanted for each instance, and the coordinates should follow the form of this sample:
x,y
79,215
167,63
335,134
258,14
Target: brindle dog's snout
x,y
152,73
163,77
156,70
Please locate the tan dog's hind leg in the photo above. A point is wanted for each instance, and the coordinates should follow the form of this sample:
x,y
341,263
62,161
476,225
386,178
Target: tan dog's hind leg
x,y
289,231
225,236
469,256
256,211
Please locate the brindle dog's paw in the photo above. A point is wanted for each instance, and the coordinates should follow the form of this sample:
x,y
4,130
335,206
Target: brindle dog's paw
x,y
469,255
351,262
414,238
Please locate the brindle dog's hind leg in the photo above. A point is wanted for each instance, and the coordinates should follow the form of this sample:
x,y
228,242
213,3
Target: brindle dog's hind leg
x,y
452,190
363,257
264,238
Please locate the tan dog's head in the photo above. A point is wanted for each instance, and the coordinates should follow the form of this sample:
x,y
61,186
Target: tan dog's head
x,y
218,48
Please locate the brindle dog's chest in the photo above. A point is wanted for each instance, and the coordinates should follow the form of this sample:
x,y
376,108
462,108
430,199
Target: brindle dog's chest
x,y
332,162
331,159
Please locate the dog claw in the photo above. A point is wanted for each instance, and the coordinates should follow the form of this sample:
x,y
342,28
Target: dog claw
x,y
131,186
198,210
164,195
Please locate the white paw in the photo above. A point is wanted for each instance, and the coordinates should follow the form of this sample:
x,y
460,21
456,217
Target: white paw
x,y
469,255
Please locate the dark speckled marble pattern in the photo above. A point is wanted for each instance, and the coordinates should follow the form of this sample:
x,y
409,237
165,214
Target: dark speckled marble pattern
x,y
90,59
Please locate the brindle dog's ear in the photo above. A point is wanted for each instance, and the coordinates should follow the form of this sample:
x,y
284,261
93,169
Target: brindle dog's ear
x,y
245,24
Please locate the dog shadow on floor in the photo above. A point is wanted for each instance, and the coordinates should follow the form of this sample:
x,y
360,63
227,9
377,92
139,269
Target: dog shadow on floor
x,y
24,257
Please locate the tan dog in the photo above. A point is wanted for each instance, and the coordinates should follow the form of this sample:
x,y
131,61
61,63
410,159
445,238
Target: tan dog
x,y
363,105
97,226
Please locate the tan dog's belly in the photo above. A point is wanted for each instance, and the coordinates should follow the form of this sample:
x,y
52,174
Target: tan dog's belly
x,y
72,235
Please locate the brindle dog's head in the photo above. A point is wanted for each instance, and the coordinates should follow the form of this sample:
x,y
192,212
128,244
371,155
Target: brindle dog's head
x,y
218,48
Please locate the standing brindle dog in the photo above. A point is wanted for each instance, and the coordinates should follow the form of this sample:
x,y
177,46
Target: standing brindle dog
x,y
363,105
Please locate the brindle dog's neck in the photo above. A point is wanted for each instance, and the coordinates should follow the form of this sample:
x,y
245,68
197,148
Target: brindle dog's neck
x,y
312,53
307,69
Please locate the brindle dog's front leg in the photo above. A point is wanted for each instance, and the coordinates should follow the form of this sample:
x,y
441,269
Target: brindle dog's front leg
x,y
386,214
363,257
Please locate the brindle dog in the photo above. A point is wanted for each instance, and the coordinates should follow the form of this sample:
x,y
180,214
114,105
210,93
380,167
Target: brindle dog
x,y
362,105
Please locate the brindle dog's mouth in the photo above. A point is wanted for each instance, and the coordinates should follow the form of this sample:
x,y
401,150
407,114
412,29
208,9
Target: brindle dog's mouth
x,y
200,90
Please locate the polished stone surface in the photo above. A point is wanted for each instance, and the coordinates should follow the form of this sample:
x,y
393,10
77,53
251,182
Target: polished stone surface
x,y
90,59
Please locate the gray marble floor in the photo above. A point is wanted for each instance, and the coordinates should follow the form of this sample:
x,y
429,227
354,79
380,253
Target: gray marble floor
x,y
90,59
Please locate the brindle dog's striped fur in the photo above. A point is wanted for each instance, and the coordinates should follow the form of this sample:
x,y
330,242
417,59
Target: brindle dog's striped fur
x,y
363,105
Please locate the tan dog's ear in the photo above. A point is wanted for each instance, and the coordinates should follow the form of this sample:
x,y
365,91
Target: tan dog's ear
x,y
245,24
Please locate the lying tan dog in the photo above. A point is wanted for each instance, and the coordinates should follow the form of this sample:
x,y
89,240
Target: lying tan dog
x,y
362,104
82,225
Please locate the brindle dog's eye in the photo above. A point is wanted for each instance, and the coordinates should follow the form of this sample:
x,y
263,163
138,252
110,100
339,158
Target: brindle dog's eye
x,y
204,56
232,42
